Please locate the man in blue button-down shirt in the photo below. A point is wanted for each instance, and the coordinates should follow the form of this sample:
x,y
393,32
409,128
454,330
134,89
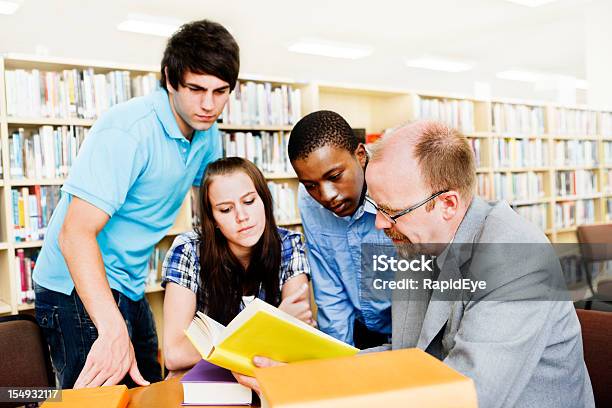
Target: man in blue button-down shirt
x,y
330,162
121,197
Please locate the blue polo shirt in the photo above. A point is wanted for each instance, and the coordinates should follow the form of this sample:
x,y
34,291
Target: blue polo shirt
x,y
136,166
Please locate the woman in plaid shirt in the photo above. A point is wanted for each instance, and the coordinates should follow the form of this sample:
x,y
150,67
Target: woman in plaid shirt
x,y
238,253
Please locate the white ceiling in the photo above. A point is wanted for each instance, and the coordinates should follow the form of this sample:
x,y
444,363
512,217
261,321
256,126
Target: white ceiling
x,y
495,34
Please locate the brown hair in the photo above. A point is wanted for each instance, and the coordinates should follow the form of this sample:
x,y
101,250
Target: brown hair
x,y
223,279
444,155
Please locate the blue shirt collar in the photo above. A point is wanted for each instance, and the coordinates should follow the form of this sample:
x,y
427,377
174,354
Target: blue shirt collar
x,y
161,104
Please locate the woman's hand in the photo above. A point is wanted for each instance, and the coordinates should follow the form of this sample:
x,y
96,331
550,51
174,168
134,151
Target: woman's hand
x,y
297,304
251,382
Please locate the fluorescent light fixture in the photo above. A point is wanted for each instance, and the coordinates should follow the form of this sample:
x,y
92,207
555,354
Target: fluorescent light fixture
x,y
8,7
438,64
330,49
531,3
149,25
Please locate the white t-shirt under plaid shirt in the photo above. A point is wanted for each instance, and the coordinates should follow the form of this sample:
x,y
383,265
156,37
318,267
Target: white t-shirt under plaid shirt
x,y
182,262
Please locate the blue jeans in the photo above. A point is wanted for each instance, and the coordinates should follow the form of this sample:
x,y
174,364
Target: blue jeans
x,y
70,333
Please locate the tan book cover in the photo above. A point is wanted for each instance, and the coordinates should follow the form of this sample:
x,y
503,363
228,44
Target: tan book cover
x,y
401,378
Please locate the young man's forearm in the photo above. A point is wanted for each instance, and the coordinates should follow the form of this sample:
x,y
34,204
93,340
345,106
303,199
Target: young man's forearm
x,y
82,254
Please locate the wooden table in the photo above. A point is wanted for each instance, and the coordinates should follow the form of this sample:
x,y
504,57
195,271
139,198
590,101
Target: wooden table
x,y
168,393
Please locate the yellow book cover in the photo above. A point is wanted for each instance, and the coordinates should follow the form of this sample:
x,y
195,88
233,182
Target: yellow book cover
x,y
261,330
401,378
115,396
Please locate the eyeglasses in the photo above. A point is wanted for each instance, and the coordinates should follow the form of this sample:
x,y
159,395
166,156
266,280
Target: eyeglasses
x,y
392,218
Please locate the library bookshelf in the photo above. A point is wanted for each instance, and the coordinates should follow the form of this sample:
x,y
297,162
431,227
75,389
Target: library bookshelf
x,y
552,163
15,118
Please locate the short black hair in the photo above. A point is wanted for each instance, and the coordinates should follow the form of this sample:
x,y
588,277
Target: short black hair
x,y
202,47
318,129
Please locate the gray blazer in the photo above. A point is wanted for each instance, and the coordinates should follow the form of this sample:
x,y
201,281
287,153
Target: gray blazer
x,y
525,352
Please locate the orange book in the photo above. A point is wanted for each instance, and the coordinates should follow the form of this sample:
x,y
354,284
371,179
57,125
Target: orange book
x,y
115,396
401,378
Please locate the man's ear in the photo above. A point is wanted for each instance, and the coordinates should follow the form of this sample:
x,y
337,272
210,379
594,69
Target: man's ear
x,y
168,85
450,203
361,154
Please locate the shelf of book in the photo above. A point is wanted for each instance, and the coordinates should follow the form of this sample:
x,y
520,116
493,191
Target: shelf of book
x,y
25,307
27,244
37,182
280,176
49,121
3,245
255,128
154,288
289,223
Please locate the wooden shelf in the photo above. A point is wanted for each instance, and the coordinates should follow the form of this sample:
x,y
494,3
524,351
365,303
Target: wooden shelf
x,y
25,306
5,308
520,169
579,197
518,136
28,244
36,182
266,128
50,121
288,223
577,167
534,201
576,137
3,245
157,287
566,229
1,183
280,176
477,135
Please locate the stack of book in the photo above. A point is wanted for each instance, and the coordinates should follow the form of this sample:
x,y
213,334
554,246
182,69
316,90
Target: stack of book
x,y
578,182
262,104
284,198
534,213
607,153
518,119
24,265
575,122
573,213
527,186
74,93
476,148
32,209
605,124
46,153
267,150
458,114
509,152
607,187
483,186
576,153
609,209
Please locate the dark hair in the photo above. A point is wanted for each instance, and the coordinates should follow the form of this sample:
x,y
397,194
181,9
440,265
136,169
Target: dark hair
x,y
223,279
318,129
202,47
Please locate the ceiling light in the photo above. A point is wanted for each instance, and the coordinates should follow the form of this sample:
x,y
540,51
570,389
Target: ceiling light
x,y
330,49
438,64
531,3
8,7
149,25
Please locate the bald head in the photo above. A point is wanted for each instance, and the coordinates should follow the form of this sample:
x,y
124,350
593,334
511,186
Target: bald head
x,y
440,155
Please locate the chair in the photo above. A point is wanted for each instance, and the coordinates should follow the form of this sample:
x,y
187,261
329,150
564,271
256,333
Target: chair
x,y
596,339
596,246
25,358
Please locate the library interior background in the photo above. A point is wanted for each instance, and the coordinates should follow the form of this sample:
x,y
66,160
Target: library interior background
x,y
527,82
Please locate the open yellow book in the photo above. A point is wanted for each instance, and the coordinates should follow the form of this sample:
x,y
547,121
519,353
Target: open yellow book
x,y
261,330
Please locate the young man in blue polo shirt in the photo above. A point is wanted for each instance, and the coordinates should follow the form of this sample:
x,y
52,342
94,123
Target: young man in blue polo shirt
x,y
330,163
121,197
